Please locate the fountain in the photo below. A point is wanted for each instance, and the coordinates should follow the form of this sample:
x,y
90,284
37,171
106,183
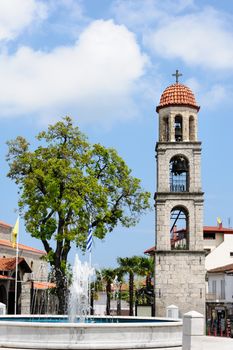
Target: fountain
x,y
79,301
52,332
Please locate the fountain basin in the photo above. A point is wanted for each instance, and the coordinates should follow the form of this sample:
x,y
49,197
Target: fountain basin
x,y
140,333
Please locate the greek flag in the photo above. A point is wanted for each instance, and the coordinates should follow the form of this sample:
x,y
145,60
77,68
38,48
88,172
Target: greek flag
x,y
89,239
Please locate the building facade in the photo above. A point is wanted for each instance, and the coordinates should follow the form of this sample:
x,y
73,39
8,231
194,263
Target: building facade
x,y
32,277
179,269
219,300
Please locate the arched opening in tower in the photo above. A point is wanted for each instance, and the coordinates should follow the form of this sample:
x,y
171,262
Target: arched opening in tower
x,y
179,228
179,174
178,128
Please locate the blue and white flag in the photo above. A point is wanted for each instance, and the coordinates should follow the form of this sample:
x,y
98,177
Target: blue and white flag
x,y
89,239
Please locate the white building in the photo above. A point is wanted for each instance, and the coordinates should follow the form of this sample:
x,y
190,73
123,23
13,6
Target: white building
x,y
219,300
218,242
220,284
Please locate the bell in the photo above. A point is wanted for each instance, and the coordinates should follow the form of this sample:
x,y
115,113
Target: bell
x,y
178,133
179,166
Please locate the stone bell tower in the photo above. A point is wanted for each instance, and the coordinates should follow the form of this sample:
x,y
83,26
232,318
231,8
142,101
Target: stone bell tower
x,y
179,254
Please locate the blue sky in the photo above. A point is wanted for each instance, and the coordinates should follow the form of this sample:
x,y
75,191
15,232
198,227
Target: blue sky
x,y
106,63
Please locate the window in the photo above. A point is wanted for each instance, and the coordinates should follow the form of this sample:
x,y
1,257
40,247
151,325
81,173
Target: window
x,y
209,235
222,295
214,287
231,254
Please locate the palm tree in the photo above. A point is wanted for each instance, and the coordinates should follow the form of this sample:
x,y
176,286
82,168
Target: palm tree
x,y
146,268
108,276
130,266
119,281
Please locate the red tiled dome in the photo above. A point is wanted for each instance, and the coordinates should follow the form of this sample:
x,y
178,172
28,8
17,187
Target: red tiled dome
x,y
177,95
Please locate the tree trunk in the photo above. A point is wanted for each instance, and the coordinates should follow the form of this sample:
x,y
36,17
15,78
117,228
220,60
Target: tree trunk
x,y
131,293
148,281
119,302
108,300
61,291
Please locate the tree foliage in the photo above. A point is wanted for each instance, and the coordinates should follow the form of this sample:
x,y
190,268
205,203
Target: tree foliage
x,y
136,265
66,182
108,276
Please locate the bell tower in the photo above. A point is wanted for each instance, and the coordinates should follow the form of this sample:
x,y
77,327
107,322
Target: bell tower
x,y
179,254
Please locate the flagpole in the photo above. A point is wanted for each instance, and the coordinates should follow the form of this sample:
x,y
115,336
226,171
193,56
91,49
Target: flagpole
x,y
89,249
16,272
90,283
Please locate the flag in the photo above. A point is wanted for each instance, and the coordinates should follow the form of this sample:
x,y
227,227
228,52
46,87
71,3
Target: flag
x,y
89,239
219,220
15,233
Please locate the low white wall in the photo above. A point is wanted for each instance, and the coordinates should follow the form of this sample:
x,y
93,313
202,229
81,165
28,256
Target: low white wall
x,y
23,335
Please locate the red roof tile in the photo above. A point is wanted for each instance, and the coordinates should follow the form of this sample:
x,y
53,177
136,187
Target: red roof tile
x,y
2,223
225,268
3,277
150,250
216,229
43,285
177,95
9,264
8,243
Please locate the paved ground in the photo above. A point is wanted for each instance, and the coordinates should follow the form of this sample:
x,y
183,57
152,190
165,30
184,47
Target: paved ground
x,y
210,343
217,343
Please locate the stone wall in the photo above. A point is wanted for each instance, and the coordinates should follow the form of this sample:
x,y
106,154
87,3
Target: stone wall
x,y
179,280
25,298
5,231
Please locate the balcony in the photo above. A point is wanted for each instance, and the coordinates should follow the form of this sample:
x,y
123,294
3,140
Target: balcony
x,y
215,298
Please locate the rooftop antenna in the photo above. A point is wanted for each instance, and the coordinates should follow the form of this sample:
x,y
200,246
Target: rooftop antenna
x,y
229,222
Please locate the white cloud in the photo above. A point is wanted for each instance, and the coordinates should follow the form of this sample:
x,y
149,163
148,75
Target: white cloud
x,y
202,38
68,9
136,13
141,13
99,71
216,95
209,96
16,15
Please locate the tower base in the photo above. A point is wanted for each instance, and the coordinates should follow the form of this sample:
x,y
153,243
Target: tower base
x,y
179,280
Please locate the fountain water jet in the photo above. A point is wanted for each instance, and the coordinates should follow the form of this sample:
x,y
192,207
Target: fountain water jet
x,y
79,299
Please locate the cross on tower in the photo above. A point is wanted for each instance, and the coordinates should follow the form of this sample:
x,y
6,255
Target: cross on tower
x,y
177,75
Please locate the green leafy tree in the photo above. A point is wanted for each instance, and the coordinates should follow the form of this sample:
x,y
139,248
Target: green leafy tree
x,y
64,183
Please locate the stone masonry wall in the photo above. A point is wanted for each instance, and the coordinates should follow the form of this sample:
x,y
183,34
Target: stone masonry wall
x,y
179,280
